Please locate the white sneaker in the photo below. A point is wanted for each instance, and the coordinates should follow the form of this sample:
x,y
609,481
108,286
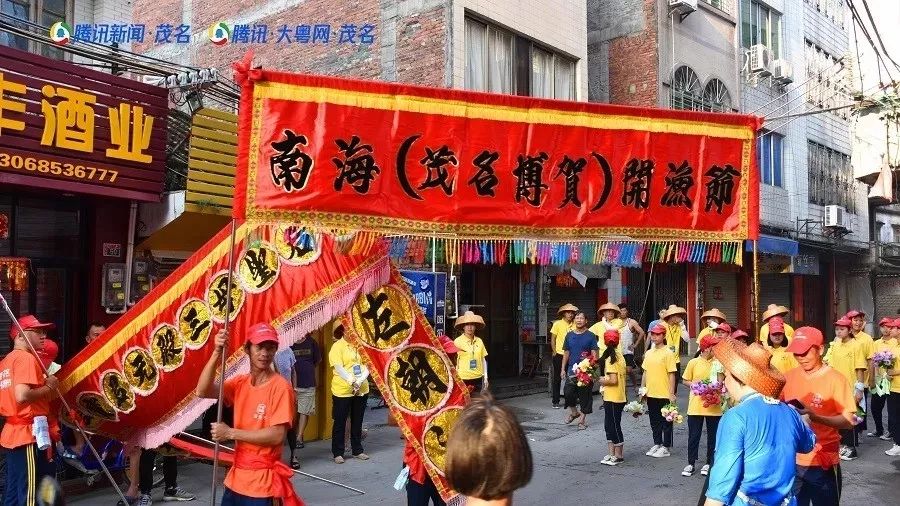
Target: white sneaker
x,y
615,461
606,460
844,451
704,471
688,470
894,451
661,452
652,450
886,437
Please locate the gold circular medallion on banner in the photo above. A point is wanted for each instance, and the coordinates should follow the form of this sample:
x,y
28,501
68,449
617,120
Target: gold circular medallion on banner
x,y
87,422
258,267
383,319
167,347
419,379
140,371
95,405
295,245
437,431
195,323
216,296
117,391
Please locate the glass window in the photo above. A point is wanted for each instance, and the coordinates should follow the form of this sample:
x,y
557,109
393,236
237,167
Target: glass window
x,y
716,97
564,89
41,12
501,72
769,156
760,25
831,179
476,56
686,90
19,9
541,73
52,11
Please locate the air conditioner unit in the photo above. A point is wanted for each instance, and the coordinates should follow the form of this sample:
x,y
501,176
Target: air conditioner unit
x,y
153,80
836,218
683,6
760,60
782,72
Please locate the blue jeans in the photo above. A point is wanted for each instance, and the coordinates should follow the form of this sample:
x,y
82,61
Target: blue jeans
x,y
818,486
232,498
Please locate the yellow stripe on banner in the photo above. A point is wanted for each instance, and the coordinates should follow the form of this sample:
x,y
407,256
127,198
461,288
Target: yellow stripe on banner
x,y
462,109
164,300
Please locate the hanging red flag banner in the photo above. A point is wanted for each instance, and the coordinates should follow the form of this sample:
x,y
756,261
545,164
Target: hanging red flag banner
x,y
413,373
136,381
399,159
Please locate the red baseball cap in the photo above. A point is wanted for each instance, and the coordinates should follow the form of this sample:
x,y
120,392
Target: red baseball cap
x,y
658,329
738,333
844,322
709,341
853,313
611,337
886,322
29,322
49,352
262,333
896,323
804,339
776,325
724,327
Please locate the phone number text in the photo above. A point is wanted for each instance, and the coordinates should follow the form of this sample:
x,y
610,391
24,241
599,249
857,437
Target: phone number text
x,y
44,166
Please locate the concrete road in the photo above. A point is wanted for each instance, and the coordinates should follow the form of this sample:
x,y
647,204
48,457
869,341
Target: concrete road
x,y
566,466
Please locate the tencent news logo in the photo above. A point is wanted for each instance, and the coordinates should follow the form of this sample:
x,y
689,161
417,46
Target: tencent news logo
x,y
219,33
60,33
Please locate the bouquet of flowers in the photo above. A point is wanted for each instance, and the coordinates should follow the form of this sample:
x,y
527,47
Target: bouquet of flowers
x,y
671,414
586,371
883,359
859,416
635,408
710,392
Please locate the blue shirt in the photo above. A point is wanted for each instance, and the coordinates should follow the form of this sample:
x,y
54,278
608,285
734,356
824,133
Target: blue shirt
x,y
576,344
284,362
756,446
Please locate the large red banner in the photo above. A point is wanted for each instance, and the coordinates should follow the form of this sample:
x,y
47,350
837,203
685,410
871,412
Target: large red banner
x,y
403,159
136,381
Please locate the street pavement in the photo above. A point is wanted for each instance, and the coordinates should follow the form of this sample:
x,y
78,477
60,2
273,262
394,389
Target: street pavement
x,y
566,460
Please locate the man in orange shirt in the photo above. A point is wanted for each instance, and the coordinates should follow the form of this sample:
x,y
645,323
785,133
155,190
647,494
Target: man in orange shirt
x,y
25,394
826,397
263,410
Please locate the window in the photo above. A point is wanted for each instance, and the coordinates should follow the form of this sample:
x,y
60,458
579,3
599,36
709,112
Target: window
x,y
716,97
552,76
42,12
722,5
831,179
826,83
770,153
760,25
686,90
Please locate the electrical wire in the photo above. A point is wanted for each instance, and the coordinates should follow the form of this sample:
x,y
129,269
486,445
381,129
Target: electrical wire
x,y
877,35
770,102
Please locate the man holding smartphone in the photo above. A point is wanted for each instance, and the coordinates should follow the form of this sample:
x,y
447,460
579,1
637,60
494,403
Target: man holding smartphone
x,y
825,398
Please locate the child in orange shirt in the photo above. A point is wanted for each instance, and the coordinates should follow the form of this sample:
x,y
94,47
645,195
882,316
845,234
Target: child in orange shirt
x,y
263,410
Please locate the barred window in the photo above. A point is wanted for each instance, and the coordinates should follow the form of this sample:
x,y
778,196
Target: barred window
x,y
716,97
831,179
827,80
686,90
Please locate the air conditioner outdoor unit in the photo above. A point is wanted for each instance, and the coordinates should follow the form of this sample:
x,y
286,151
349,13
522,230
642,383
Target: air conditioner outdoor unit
x,y
683,6
836,218
760,60
782,72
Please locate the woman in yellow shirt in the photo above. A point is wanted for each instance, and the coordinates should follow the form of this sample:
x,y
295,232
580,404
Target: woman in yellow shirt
x,y
613,383
658,387
558,333
885,343
701,369
782,360
710,321
471,360
349,392
894,397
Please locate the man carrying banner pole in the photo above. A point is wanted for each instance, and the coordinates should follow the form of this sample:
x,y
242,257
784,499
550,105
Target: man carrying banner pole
x,y
263,410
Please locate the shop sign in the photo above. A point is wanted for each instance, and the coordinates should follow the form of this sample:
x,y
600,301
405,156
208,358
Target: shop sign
x,y
112,249
71,128
807,264
429,291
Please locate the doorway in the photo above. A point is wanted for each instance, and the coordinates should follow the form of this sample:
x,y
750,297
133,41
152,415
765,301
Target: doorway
x,y
493,293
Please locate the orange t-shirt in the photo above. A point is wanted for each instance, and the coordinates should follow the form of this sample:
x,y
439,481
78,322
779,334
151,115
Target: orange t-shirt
x,y
825,392
19,368
255,408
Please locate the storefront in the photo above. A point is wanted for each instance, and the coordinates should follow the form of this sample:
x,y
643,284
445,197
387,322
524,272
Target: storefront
x,y
77,148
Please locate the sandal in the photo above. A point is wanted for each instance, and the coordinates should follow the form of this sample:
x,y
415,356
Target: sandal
x,y
570,418
295,463
582,426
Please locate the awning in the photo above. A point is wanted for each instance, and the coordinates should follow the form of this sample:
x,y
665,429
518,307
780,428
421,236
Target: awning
x,y
774,245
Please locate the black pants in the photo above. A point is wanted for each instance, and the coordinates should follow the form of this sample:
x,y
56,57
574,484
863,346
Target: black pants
x,y
344,407
555,380
420,494
862,426
850,437
26,467
579,396
878,404
145,471
612,421
695,427
894,416
475,385
662,429
677,372
818,486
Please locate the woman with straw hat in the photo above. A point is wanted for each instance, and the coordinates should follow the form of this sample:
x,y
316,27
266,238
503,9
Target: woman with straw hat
x,y
609,320
471,359
676,332
772,311
558,332
759,437
710,320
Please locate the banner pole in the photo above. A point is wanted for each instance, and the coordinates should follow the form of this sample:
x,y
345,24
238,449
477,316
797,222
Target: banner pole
x,y
755,300
65,404
221,395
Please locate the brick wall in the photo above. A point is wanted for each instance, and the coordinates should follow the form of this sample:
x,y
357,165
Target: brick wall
x,y
633,60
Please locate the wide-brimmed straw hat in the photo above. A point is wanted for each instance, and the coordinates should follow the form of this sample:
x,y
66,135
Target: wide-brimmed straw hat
x,y
609,306
775,310
714,313
568,307
469,317
750,364
673,310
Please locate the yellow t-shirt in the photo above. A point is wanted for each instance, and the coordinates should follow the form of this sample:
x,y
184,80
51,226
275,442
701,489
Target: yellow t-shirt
x,y
782,360
699,369
559,329
658,363
895,380
345,355
764,334
846,358
601,327
615,393
673,337
470,358
867,348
